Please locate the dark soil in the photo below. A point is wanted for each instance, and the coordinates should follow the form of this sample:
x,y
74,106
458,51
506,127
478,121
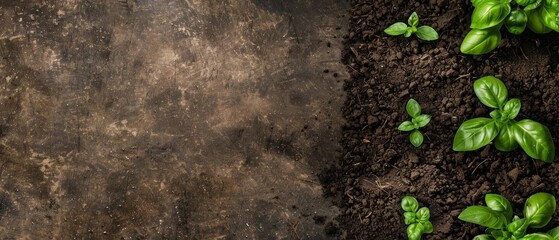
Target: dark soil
x,y
380,166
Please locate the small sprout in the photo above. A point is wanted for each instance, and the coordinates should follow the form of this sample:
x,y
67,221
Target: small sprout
x,y
502,128
416,218
497,217
418,121
422,32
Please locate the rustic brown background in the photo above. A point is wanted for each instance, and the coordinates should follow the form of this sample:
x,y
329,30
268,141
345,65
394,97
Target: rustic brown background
x,y
168,119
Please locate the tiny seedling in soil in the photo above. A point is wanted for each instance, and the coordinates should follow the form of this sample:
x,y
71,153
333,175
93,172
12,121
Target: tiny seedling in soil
x,y
416,218
423,32
490,15
418,121
497,217
533,137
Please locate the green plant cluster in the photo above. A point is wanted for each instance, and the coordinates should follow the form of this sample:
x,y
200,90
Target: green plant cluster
x,y
418,121
497,216
426,33
416,218
533,137
540,16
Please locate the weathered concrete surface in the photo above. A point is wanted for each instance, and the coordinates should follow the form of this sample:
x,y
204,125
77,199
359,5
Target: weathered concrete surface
x,y
167,119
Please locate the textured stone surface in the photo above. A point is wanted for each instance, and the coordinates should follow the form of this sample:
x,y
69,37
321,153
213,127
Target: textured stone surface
x,y
167,119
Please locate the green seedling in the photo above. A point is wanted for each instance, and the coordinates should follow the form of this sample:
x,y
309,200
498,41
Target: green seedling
x,y
418,121
533,137
416,218
423,32
497,216
540,16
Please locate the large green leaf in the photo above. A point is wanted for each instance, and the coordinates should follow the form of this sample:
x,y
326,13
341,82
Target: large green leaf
x,y
427,33
413,108
539,209
512,108
500,204
518,227
535,4
416,138
483,216
474,134
414,231
406,126
483,237
550,17
516,21
489,14
423,214
535,22
422,120
396,29
525,2
479,42
505,141
554,233
491,91
409,204
537,236
552,4
535,139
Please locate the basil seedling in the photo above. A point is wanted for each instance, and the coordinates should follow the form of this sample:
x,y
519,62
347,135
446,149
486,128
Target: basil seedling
x,y
418,121
498,218
423,32
416,218
533,137
490,15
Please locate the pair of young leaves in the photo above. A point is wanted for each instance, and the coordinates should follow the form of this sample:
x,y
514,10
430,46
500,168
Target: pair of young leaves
x,y
416,218
490,15
533,137
497,216
423,32
418,121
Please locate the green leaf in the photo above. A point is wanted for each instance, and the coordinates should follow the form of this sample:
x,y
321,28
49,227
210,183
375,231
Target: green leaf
x,y
539,209
537,236
512,108
422,120
427,227
491,91
416,138
479,42
483,216
409,218
525,2
553,4
496,114
535,22
413,20
483,237
474,134
500,204
427,33
505,141
406,126
476,3
489,14
409,204
533,5
396,29
415,231
535,139
413,108
554,233
518,227
550,17
423,214
516,21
